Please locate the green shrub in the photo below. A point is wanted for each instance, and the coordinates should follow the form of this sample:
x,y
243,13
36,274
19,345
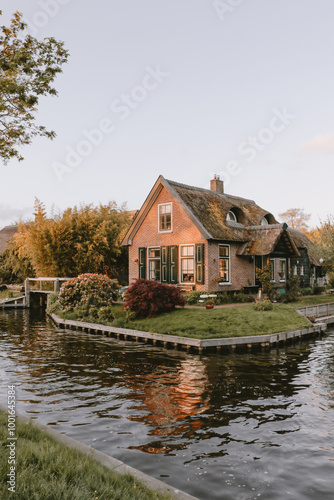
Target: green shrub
x,y
292,288
52,303
318,290
96,290
223,298
240,298
306,291
264,277
263,305
193,297
106,314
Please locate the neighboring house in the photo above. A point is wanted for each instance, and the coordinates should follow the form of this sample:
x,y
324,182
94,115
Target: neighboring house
x,y
5,235
307,266
207,240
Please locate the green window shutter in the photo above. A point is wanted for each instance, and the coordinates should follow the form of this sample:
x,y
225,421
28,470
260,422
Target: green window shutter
x,y
142,263
199,253
173,261
164,265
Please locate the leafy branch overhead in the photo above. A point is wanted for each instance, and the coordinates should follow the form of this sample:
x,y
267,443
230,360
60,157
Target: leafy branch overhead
x,y
28,68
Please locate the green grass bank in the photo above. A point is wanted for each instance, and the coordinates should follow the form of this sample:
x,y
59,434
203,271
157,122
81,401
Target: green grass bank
x,y
49,470
237,321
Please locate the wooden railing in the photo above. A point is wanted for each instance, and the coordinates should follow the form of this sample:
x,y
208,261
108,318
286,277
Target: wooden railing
x,y
28,290
318,310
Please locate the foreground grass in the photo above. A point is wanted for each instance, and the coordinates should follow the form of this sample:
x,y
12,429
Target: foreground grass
x,y
48,470
238,321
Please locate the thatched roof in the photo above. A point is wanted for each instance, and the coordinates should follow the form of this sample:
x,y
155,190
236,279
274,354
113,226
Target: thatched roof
x,y
272,239
302,241
208,209
211,208
5,235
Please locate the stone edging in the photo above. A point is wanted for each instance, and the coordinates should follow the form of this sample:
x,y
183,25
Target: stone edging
x,y
107,461
263,341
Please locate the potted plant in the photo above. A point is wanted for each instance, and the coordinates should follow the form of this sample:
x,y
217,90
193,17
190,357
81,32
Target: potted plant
x,y
209,304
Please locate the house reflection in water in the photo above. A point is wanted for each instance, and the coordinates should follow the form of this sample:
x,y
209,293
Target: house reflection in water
x,y
169,398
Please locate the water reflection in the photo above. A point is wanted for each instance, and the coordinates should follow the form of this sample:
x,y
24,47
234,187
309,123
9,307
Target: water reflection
x,y
227,427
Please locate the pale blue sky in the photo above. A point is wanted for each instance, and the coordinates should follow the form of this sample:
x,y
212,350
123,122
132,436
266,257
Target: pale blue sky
x,y
249,82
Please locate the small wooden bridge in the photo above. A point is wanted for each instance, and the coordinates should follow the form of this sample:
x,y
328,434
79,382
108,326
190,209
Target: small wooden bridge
x,y
33,286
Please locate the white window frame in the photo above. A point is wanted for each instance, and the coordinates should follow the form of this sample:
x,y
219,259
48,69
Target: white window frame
x,y
153,259
274,269
229,282
180,264
231,217
171,217
282,279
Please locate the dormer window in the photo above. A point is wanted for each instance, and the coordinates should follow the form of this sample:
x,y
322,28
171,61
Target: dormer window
x,y
264,221
165,218
231,217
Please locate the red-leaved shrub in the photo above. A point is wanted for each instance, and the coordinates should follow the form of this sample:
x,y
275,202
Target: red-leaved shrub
x,y
147,298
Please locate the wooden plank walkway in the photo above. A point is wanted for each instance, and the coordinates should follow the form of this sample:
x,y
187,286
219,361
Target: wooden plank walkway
x,y
15,302
231,344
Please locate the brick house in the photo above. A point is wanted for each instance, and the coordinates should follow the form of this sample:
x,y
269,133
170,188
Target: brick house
x,y
202,239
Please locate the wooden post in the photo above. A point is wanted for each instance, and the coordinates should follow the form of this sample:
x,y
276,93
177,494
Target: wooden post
x,y
27,293
56,287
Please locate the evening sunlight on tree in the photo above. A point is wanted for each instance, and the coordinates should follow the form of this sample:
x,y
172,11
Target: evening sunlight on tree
x,y
27,69
296,218
83,239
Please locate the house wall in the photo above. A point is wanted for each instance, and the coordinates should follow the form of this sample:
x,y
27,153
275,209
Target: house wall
x,y
304,261
184,232
241,269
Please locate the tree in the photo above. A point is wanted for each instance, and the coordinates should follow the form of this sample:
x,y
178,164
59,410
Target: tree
x,y
28,68
264,277
77,241
323,239
296,218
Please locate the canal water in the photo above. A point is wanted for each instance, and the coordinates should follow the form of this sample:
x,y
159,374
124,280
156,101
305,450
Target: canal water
x,y
227,427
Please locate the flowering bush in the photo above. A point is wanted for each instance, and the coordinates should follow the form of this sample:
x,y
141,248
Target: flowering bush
x,y
93,290
147,298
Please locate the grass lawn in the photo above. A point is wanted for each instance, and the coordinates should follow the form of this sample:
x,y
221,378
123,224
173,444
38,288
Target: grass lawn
x,y
313,300
48,470
200,323
238,321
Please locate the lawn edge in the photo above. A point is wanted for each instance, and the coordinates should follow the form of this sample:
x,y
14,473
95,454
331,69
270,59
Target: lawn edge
x,y
158,339
106,460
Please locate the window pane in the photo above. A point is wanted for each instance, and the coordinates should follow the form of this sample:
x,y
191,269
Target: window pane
x,y
154,270
223,251
187,251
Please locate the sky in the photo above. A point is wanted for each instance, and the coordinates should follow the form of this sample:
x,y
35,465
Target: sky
x,y
185,89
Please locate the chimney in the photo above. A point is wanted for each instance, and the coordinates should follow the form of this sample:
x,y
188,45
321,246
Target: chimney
x,y
217,185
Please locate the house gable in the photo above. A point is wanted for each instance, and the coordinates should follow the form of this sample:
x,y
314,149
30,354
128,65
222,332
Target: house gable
x,y
154,198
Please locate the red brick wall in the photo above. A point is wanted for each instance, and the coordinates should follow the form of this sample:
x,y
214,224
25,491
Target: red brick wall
x,y
184,232
241,270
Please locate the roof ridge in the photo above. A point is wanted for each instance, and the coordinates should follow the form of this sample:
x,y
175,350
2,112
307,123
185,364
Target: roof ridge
x,y
195,188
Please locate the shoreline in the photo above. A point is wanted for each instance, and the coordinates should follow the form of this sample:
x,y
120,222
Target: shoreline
x,y
231,344
106,460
